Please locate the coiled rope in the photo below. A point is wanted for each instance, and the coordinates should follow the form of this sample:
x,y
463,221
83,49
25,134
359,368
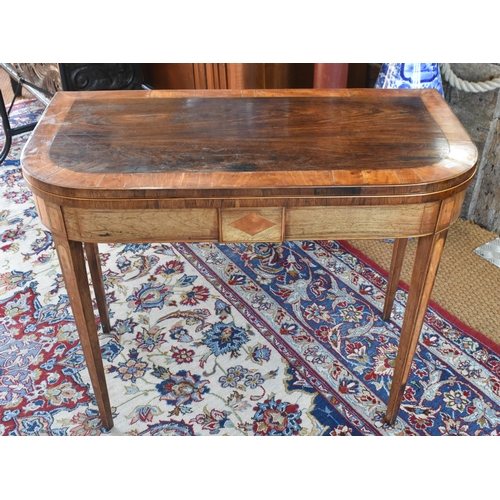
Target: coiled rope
x,y
460,84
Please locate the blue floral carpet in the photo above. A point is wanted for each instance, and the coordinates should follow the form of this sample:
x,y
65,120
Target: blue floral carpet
x,y
209,339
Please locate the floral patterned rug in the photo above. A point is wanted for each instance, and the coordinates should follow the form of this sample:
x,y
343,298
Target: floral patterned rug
x,y
209,339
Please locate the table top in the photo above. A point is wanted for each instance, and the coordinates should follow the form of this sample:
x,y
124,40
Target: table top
x,y
217,143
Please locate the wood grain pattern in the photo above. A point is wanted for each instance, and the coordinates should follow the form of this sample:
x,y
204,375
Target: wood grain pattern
x,y
72,263
247,135
238,226
320,222
427,257
361,222
142,225
212,143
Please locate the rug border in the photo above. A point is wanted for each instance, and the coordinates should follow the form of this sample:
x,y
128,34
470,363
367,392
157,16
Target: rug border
x,y
480,337
22,102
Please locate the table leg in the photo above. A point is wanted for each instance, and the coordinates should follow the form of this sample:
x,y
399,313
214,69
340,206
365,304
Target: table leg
x,y
72,263
428,255
94,262
398,254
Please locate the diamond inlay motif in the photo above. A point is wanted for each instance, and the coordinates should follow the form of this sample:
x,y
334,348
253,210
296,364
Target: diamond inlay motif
x,y
252,224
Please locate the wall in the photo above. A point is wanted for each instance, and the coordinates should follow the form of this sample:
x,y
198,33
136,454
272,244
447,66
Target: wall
x,y
479,114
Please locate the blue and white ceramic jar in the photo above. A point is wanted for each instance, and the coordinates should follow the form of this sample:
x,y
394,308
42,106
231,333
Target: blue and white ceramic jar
x,y
410,76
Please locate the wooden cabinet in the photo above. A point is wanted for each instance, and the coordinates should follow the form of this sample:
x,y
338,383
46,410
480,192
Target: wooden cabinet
x,y
228,75
254,75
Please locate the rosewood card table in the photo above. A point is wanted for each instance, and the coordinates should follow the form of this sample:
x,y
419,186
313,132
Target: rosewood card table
x,y
247,166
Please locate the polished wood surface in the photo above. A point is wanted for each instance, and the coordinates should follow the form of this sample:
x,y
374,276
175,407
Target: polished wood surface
x,y
330,75
424,146
247,135
242,166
